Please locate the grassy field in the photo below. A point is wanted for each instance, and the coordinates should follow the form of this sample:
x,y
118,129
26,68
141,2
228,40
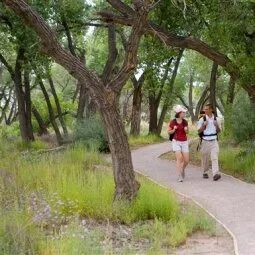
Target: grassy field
x,y
61,203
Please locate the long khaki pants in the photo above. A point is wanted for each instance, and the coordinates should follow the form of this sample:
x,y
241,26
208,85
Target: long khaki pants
x,y
210,150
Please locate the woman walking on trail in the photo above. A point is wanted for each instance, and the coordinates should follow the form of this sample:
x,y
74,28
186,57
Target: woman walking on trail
x,y
178,127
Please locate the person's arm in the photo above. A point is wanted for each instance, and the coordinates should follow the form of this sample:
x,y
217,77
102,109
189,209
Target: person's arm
x,y
217,125
186,127
201,126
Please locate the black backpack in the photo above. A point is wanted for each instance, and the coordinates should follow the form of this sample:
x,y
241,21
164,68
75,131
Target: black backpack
x,y
171,136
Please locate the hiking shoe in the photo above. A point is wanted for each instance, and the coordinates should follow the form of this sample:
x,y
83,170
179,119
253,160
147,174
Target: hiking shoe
x,y
180,179
216,177
205,175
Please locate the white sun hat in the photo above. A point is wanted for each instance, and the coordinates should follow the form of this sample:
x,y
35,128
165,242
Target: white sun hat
x,y
179,108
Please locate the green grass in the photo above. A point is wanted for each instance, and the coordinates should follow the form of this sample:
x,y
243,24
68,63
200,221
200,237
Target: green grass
x,y
83,183
139,141
238,164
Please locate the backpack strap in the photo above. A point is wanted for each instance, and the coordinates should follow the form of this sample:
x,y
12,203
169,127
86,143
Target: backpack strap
x,y
202,133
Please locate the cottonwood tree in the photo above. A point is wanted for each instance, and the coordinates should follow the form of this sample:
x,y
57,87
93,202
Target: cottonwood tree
x,y
232,13
104,92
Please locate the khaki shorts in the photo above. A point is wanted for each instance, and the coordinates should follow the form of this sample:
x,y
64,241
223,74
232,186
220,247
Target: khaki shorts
x,y
180,146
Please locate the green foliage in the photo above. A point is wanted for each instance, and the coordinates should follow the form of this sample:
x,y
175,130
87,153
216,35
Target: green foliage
x,y
240,161
17,234
174,233
144,140
243,119
90,132
10,132
78,183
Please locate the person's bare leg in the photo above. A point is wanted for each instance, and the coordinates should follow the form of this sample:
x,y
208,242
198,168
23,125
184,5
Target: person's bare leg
x,y
185,156
179,164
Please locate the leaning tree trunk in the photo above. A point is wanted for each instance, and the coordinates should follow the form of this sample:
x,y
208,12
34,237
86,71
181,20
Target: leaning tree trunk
x,y
58,106
120,151
200,102
213,86
51,114
42,126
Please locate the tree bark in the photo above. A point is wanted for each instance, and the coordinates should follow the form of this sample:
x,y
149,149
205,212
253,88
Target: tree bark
x,y
126,185
200,102
51,113
125,110
155,125
137,103
191,107
231,91
23,98
83,102
168,101
25,127
153,121
28,105
213,87
42,127
58,106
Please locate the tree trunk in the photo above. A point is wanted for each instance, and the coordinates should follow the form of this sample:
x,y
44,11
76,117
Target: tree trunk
x,y
83,103
231,91
228,131
201,102
103,94
59,110
28,105
153,122
168,101
125,184
125,113
136,112
42,127
24,130
12,115
162,118
191,108
213,87
51,113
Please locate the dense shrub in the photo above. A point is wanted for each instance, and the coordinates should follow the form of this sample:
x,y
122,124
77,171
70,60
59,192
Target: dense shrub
x,y
91,133
243,117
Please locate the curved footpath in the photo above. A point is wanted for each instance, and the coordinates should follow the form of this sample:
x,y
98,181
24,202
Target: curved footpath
x,y
231,201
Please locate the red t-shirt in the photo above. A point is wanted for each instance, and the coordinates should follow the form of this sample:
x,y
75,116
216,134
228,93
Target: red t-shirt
x,y
180,134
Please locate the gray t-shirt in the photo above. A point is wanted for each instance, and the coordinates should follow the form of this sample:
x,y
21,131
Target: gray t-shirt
x,y
210,128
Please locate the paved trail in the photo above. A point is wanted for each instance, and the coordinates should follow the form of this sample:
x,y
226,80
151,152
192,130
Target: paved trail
x,y
231,201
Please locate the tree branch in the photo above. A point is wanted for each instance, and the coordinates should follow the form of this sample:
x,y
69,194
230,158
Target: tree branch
x,y
51,46
8,67
167,68
121,7
130,61
170,39
112,54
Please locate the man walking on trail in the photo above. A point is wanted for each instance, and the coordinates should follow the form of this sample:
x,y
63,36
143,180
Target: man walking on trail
x,y
209,127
